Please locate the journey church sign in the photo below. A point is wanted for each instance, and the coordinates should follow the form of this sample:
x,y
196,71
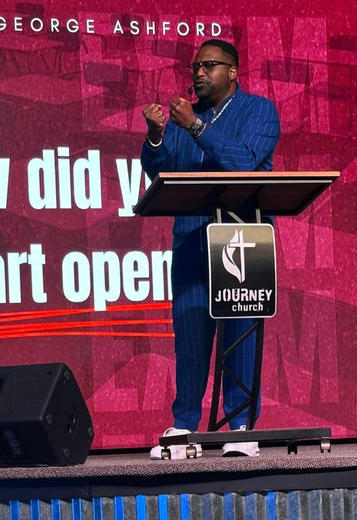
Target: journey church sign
x,y
242,270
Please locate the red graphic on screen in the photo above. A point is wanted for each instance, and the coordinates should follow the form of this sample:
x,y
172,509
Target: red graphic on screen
x,y
71,106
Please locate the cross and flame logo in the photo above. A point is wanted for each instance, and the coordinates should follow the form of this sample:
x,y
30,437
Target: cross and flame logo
x,y
227,255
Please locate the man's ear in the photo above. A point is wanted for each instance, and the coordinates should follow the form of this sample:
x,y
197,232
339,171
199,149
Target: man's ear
x,y
233,73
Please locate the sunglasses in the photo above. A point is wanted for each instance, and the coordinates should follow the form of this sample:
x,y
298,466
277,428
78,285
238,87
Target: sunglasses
x,y
207,66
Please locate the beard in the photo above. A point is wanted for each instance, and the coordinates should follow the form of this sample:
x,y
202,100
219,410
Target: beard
x,y
204,90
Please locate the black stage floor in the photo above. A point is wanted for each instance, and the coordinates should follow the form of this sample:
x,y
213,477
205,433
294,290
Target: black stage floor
x,y
126,474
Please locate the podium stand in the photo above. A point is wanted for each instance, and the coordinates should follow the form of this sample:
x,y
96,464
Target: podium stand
x,y
238,195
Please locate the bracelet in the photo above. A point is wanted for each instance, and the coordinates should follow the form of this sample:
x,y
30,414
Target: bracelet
x,y
153,144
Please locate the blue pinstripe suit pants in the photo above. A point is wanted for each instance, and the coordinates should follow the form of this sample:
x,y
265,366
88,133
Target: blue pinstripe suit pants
x,y
194,334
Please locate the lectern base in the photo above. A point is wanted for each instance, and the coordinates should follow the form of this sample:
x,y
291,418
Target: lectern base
x,y
292,438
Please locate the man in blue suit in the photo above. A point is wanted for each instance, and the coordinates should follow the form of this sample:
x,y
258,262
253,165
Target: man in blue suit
x,y
227,130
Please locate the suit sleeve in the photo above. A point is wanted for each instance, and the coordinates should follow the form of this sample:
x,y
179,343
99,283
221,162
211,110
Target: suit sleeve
x,y
257,140
162,158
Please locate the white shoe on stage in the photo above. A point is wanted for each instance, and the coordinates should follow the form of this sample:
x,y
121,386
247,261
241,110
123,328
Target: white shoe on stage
x,y
241,449
176,451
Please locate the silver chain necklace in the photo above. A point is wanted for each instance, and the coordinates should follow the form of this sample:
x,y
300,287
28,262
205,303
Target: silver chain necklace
x,y
221,111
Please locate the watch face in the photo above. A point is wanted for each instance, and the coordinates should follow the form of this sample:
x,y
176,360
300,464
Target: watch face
x,y
196,127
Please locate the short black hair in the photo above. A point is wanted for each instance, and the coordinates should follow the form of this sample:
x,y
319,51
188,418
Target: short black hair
x,y
226,47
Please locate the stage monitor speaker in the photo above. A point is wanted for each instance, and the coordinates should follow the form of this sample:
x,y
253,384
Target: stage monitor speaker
x,y
44,419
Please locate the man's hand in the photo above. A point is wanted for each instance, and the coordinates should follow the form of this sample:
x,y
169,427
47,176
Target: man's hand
x,y
181,113
155,120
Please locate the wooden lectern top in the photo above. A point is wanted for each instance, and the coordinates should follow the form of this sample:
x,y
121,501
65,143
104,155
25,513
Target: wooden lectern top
x,y
200,193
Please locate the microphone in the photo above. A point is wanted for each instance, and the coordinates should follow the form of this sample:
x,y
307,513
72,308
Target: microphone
x,y
190,90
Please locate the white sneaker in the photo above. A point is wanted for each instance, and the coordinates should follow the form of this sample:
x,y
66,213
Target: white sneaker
x,y
177,451
241,449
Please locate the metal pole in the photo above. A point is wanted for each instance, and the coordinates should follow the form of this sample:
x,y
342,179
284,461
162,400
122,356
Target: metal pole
x,y
257,373
212,423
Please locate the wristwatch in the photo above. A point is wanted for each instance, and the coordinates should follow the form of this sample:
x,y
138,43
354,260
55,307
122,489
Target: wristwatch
x,y
196,128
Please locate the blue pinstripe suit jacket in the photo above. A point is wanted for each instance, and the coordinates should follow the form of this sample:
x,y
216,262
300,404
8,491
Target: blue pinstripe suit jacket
x,y
243,138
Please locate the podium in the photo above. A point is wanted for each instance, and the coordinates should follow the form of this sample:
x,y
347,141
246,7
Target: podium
x,y
239,196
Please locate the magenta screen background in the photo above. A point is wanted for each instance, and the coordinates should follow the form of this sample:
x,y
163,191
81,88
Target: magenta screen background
x,y
304,58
